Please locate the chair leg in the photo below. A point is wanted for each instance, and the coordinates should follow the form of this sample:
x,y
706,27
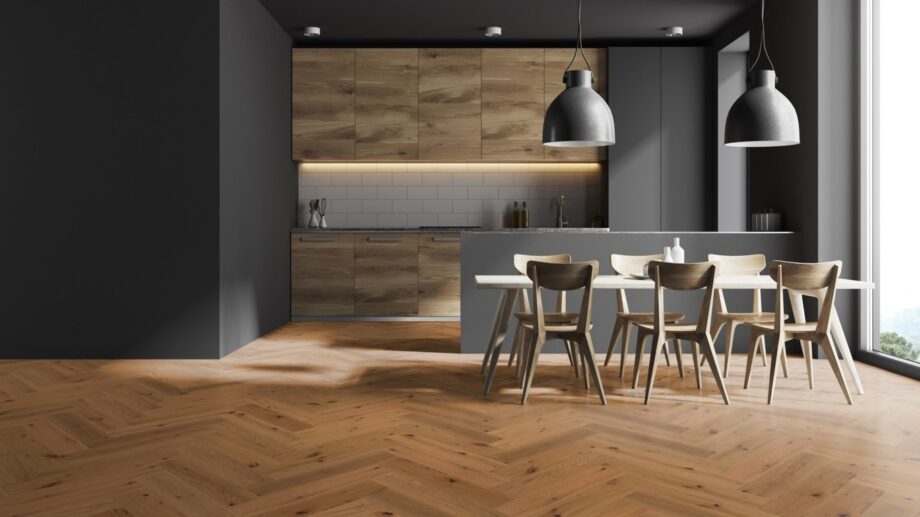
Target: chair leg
x,y
640,343
515,345
617,330
627,330
493,362
584,362
592,367
680,357
695,347
667,354
752,351
568,353
709,350
575,357
729,341
780,344
657,343
763,351
524,357
784,361
536,347
809,364
835,365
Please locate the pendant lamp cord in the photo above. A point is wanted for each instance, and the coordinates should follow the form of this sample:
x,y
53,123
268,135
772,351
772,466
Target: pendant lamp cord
x,y
763,39
578,48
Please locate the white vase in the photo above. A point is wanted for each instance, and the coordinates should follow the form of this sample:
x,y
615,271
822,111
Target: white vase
x,y
667,255
677,253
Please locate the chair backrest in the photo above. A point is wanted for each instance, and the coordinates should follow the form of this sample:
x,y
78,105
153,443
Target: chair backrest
x,y
563,277
683,277
739,265
631,264
812,277
520,261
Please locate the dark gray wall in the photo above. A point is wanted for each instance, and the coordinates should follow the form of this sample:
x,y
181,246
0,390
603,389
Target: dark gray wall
x,y
660,172
492,253
732,198
109,204
258,180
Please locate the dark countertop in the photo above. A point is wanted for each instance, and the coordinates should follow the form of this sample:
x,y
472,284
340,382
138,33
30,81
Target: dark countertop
x,y
449,229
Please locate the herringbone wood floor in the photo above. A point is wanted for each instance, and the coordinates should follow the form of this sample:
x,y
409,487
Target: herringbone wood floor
x,y
356,419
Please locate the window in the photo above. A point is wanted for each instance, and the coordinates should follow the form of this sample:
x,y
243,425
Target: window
x,y
891,144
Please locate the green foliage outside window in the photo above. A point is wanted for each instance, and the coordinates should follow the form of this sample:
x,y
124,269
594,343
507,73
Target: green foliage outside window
x,y
898,346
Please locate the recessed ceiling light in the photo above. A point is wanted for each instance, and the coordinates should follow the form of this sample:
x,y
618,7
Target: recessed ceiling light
x,y
493,32
311,32
674,32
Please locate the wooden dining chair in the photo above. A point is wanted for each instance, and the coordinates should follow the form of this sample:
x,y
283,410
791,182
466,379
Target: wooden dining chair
x,y
634,265
818,279
680,277
741,265
490,358
561,277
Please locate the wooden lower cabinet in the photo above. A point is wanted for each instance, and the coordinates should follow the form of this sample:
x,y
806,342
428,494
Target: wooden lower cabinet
x,y
322,275
386,274
439,274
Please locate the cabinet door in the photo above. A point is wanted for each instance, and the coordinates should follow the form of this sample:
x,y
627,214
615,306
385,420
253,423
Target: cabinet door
x,y
387,104
439,274
556,61
386,275
450,117
512,104
322,275
323,104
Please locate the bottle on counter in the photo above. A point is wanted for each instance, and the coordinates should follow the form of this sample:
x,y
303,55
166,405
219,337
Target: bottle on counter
x,y
525,216
515,216
677,253
667,255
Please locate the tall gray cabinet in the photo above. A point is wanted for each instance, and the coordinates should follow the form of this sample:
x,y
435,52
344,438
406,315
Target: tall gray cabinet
x,y
660,171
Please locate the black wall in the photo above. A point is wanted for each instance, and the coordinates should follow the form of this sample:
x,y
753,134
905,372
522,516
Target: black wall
x,y
111,198
258,180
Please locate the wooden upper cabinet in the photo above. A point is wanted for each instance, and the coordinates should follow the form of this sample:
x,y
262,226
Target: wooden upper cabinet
x,y
387,104
323,104
512,104
557,59
450,115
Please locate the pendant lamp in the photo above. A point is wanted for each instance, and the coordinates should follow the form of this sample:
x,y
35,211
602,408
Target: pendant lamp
x,y
762,116
578,117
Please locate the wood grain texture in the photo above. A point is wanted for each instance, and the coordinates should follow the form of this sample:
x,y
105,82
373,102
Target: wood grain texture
x,y
439,274
323,104
387,104
322,275
386,274
369,419
450,115
512,104
556,60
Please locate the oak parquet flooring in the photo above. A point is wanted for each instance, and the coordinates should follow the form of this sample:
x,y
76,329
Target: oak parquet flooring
x,y
359,419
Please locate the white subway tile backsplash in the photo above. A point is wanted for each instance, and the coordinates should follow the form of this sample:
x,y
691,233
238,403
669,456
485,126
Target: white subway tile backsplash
x,y
392,220
415,220
438,179
407,178
392,192
437,205
422,193
407,205
345,178
361,220
362,192
468,205
453,219
377,179
455,194
377,205
332,192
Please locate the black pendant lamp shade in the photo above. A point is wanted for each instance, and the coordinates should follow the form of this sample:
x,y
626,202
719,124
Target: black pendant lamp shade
x,y
578,117
762,116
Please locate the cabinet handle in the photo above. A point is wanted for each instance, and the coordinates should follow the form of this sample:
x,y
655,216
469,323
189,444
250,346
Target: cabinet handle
x,y
384,239
445,239
317,239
